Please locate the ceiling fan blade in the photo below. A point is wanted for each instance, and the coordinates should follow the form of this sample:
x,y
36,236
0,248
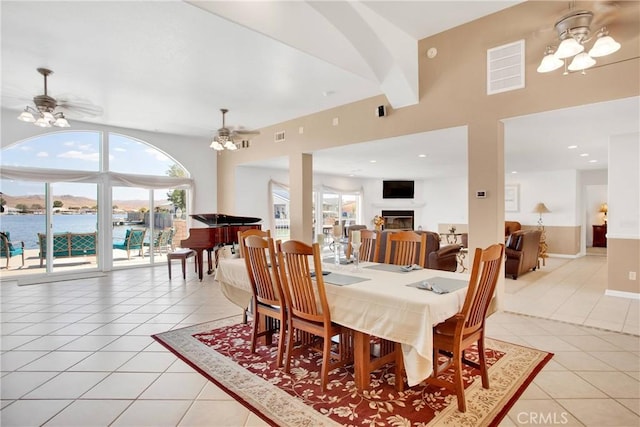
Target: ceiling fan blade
x,y
80,107
246,132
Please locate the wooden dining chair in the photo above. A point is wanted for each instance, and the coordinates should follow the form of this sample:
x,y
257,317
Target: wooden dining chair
x,y
267,303
250,232
369,248
308,309
457,333
406,247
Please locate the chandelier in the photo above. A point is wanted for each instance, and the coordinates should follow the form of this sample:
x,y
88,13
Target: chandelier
x,y
44,114
225,137
573,32
221,142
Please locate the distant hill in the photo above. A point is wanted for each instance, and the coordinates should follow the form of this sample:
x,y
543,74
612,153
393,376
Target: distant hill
x,y
69,201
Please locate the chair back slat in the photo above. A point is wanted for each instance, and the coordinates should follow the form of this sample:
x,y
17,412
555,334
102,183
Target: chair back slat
x,y
482,285
305,295
250,232
265,281
406,247
370,245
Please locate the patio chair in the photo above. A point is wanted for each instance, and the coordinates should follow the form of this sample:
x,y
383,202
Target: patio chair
x,y
10,249
134,239
267,303
308,309
454,335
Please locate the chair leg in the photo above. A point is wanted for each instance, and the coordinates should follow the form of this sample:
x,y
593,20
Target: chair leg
x,y
23,257
281,339
289,349
483,363
458,383
254,329
326,359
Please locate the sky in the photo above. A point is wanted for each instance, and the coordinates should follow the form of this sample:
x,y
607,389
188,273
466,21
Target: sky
x,y
80,150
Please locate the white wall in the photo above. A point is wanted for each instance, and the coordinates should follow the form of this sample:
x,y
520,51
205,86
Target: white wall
x,y
558,190
193,154
624,187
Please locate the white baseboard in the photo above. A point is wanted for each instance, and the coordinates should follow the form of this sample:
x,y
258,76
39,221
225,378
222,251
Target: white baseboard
x,y
622,294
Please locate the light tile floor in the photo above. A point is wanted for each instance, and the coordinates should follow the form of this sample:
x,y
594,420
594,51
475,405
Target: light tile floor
x,y
78,353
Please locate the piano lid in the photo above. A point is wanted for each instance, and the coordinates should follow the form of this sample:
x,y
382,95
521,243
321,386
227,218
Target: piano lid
x,y
221,219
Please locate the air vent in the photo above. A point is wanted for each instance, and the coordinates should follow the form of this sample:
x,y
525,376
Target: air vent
x,y
278,136
505,68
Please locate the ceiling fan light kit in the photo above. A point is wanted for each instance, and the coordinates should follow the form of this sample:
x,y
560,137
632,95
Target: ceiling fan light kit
x,y
44,114
573,32
224,139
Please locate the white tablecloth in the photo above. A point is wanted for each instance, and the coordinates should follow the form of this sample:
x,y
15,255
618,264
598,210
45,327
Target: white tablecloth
x,y
382,306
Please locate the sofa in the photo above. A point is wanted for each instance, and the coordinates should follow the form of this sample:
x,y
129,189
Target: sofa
x,y
68,245
438,257
521,252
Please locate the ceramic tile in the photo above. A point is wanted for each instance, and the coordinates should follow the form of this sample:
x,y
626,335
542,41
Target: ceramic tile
x,y
56,361
566,385
67,385
579,361
600,412
153,413
84,413
228,413
13,360
104,361
16,384
176,386
23,413
88,343
633,404
121,385
615,384
148,362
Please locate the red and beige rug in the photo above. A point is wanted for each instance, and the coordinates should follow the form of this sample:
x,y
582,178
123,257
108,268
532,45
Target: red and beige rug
x,y
220,351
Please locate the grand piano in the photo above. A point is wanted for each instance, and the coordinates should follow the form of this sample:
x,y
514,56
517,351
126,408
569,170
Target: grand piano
x,y
221,230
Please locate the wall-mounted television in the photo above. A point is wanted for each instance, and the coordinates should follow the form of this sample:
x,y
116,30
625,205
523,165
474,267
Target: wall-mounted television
x,y
397,189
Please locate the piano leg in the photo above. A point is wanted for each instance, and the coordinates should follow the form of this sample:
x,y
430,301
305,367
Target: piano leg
x,y
199,254
210,261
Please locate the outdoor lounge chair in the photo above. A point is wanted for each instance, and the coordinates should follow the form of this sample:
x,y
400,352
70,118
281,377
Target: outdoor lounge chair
x,y
9,249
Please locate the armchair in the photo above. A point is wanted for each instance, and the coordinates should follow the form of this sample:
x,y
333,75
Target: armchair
x,y
521,252
9,249
134,239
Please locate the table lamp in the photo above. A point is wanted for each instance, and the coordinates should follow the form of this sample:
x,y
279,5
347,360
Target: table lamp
x,y
540,208
604,208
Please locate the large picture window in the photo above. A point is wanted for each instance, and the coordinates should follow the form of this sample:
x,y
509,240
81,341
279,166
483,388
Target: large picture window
x,y
69,196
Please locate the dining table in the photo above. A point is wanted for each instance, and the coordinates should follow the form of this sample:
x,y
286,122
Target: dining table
x,y
375,300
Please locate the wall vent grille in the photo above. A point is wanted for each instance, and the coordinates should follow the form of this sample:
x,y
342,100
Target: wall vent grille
x,y
505,68
279,136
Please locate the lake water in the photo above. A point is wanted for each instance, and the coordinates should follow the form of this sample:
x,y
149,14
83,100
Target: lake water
x,y
26,227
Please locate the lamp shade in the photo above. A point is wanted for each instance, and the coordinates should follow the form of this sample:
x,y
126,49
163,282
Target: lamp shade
x,y
549,62
604,208
605,45
568,47
540,208
582,61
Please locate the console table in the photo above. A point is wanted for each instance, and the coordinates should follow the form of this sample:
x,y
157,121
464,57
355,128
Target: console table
x,y
600,236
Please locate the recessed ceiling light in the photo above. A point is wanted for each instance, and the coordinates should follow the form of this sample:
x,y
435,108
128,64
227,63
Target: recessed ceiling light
x,y
422,155
584,154
352,174
571,147
372,161
328,93
514,171
593,161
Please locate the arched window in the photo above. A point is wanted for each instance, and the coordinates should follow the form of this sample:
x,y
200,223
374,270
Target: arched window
x,y
90,188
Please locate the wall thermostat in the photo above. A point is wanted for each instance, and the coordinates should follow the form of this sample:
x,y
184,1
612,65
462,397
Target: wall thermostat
x,y
481,194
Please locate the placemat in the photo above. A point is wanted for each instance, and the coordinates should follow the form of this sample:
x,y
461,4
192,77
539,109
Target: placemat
x,y
445,283
388,267
342,279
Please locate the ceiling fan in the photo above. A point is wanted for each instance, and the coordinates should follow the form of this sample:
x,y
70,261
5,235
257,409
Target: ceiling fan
x,y
50,111
226,138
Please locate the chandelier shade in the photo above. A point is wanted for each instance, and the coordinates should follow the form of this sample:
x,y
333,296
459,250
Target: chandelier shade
x,y
550,62
582,61
568,48
604,45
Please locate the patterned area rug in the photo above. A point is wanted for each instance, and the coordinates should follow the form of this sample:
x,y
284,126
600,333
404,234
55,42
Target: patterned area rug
x,y
220,351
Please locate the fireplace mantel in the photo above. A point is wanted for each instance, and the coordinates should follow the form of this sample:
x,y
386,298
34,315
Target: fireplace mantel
x,y
399,204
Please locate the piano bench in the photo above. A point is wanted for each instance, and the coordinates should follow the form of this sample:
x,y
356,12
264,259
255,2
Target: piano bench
x,y
181,254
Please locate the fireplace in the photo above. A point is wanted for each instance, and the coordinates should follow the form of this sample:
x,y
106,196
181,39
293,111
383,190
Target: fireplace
x,y
398,220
